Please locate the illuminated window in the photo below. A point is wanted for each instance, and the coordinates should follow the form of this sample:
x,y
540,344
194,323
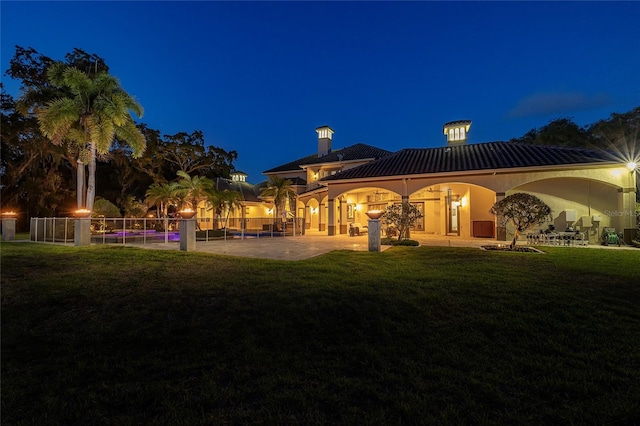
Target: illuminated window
x,y
462,133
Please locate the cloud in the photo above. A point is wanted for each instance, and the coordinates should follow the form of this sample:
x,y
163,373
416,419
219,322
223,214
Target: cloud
x,y
543,104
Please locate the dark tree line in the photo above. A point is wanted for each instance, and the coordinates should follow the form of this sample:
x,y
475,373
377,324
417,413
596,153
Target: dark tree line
x,y
38,178
617,134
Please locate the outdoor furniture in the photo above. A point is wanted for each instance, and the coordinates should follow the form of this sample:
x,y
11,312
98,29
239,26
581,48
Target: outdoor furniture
x,y
558,238
356,227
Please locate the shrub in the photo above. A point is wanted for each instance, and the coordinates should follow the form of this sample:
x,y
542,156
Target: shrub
x,y
393,242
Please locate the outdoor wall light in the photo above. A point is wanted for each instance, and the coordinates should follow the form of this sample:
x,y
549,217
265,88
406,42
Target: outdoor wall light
x,y
631,165
358,207
314,210
269,211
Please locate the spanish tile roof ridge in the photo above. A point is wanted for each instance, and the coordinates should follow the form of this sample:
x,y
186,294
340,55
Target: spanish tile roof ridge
x,y
358,151
472,157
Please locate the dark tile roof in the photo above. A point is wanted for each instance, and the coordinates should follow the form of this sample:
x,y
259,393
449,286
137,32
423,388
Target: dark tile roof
x,y
459,158
358,151
248,191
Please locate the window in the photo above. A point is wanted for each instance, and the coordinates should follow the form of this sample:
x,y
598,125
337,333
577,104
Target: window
x,y
351,209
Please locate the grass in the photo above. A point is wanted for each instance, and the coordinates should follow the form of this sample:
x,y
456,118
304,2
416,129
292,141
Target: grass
x,y
117,335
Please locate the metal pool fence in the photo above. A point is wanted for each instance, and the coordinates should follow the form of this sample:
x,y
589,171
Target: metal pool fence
x,y
158,230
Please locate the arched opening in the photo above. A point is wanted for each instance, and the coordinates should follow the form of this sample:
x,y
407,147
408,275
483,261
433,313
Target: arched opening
x,y
578,204
351,207
454,209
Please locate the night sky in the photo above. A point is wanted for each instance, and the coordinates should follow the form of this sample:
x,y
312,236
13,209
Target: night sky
x,y
260,77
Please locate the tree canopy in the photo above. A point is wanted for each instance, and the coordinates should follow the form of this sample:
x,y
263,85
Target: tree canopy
x,y
617,134
523,210
38,176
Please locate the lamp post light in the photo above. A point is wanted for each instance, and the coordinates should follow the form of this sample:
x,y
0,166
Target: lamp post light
x,y
187,230
9,225
82,227
374,229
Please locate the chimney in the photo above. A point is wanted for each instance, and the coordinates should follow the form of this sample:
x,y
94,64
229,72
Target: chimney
x,y
324,140
456,131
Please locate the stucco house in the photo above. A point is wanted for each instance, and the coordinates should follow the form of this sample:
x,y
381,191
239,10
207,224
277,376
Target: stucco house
x,y
455,185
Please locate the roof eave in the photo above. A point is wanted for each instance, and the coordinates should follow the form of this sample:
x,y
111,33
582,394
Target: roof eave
x,y
494,171
337,162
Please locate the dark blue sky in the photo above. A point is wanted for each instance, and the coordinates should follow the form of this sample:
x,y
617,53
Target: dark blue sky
x,y
260,77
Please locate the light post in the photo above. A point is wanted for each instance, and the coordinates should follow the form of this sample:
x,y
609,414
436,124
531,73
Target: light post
x,y
82,227
374,229
187,230
9,225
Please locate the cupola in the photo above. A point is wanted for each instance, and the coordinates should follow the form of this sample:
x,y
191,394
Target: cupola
x,y
456,131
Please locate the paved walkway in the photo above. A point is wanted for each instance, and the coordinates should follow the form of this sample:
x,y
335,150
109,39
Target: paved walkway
x,y
281,248
315,244
303,247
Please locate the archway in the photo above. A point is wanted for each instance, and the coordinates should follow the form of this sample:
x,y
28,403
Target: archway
x,y
352,205
454,209
583,205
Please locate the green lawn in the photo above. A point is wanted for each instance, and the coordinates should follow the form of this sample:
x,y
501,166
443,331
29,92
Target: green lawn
x,y
117,335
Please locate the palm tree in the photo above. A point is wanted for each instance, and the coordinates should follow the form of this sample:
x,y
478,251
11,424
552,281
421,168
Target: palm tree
x,y
280,191
224,200
194,189
231,200
161,195
96,111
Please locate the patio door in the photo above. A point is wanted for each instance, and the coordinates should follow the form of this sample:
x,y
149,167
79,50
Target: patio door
x,y
453,214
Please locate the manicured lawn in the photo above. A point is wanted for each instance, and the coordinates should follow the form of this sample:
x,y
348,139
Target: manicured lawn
x,y
117,335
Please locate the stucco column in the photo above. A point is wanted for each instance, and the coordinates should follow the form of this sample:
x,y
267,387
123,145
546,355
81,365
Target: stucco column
x,y
405,199
321,218
343,216
501,229
627,215
8,228
82,231
332,217
187,234
373,234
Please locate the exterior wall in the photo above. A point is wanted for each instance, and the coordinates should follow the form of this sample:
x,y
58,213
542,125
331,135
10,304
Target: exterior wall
x,y
563,189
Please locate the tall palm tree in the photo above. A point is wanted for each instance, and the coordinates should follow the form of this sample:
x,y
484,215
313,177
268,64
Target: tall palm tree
x,y
280,191
194,189
161,195
96,111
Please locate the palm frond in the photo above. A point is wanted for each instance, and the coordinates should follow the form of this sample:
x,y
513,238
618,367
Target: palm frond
x,y
130,134
77,81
